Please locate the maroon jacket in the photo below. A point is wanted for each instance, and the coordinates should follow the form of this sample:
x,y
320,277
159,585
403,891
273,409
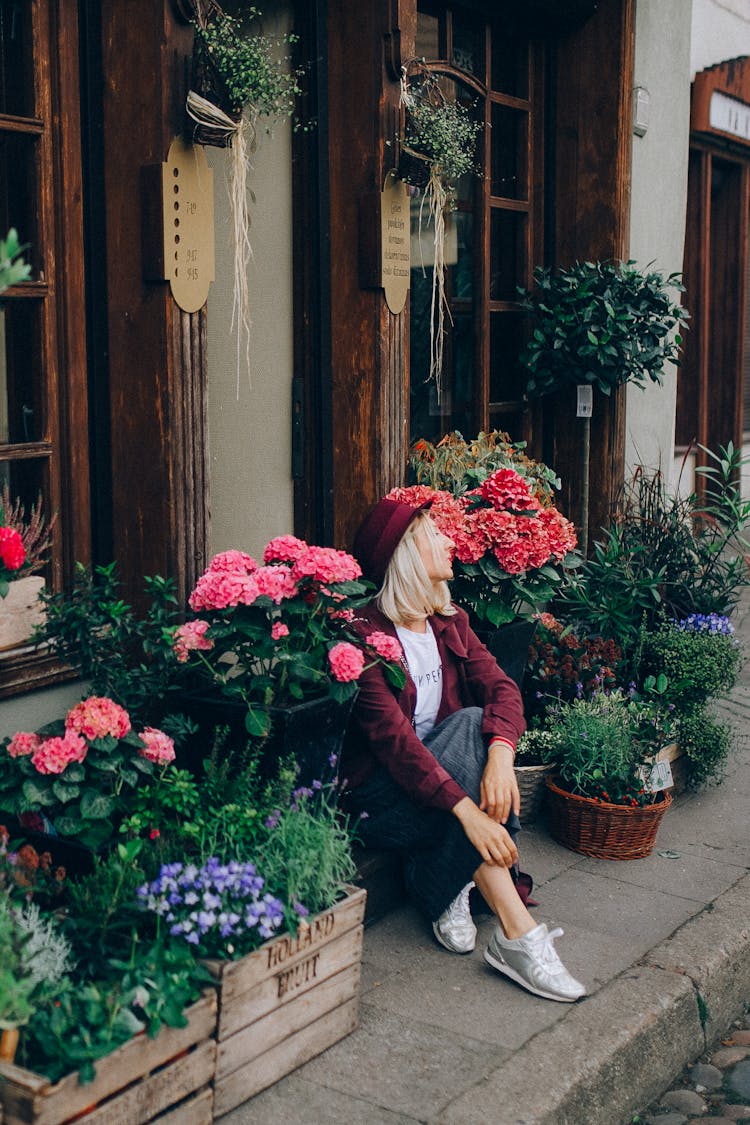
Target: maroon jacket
x,y
382,728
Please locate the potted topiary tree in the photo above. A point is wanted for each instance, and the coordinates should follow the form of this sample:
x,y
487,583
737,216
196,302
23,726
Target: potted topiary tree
x,y
599,325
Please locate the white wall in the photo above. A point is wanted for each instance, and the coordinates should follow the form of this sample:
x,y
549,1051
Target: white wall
x,y
721,30
658,200
249,421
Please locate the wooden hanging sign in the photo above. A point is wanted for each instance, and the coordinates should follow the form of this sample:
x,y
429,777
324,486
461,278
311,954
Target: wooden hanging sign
x,y
188,218
395,255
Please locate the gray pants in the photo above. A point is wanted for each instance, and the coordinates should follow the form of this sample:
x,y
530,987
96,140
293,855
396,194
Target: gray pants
x,y
438,857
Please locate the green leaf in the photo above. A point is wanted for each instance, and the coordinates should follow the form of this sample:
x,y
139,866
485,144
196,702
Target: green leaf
x,y
96,806
37,794
64,792
257,722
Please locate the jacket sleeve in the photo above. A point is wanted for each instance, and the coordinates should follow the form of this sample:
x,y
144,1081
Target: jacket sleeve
x,y
382,720
491,689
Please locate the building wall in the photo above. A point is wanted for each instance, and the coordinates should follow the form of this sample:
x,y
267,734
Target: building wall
x,y
658,199
249,412
721,30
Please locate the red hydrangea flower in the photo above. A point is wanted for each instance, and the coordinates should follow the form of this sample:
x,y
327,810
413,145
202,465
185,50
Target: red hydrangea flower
x,y
12,550
97,717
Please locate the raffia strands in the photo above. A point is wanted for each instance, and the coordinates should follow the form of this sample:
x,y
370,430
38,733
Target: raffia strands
x,y
435,200
204,112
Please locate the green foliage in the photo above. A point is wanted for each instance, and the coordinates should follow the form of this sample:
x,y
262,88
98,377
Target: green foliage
x,y
249,65
666,554
605,740
458,465
706,742
16,981
565,664
442,132
122,655
603,323
13,268
307,856
536,746
699,665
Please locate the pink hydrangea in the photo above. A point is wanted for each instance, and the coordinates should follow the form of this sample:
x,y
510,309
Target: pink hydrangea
x,y
217,589
159,746
233,562
279,630
54,754
97,717
561,533
12,550
191,637
507,489
23,743
416,495
347,662
326,564
284,548
385,646
274,582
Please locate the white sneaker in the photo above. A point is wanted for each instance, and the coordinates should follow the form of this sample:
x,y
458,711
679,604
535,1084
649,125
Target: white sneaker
x,y
454,928
532,962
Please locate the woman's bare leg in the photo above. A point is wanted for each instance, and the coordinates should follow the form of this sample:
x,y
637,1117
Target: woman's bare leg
x,y
500,894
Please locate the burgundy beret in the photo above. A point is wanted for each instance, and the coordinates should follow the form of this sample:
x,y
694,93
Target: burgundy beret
x,y
379,535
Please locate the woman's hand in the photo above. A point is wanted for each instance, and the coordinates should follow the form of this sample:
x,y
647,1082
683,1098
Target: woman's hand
x,y
499,787
491,840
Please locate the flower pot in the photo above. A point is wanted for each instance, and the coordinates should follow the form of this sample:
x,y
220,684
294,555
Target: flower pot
x,y
509,644
287,1001
136,1083
312,732
531,785
602,830
20,611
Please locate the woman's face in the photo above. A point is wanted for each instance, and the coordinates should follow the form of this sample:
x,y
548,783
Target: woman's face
x,y
435,550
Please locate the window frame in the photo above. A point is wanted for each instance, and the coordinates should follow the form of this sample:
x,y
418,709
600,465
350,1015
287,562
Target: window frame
x,y
58,284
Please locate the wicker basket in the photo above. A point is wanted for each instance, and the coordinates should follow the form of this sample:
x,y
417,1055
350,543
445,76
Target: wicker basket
x,y
532,789
602,830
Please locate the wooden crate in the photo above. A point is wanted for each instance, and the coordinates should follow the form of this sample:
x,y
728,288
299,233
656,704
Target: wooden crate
x,y
678,764
287,1001
165,1080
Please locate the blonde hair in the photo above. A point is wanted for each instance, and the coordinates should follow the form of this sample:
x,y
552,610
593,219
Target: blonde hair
x,y
408,593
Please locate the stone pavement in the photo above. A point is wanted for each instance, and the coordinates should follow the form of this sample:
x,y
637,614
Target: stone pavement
x,y
663,944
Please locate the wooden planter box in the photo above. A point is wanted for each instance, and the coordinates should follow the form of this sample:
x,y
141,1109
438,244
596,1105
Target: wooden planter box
x,y
165,1080
287,1001
678,765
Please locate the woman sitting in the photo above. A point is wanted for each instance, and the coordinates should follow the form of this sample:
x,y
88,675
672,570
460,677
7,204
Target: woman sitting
x,y
432,764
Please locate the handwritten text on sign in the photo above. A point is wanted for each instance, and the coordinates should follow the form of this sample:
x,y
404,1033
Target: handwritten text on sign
x,y
395,242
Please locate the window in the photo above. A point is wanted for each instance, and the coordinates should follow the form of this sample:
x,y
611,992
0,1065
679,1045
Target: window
x,y
495,233
43,418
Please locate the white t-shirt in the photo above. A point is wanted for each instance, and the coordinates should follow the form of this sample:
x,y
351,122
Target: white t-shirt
x,y
426,670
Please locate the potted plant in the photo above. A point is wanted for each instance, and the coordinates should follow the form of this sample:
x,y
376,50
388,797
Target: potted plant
x,y
665,553
602,800
701,656
513,549
437,147
536,759
71,778
281,934
119,652
565,664
271,647
240,75
24,548
599,324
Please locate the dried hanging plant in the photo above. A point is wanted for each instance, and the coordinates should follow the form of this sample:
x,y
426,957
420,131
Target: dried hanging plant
x,y
441,135
239,77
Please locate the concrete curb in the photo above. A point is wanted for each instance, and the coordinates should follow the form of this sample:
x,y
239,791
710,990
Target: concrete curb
x,y
613,1054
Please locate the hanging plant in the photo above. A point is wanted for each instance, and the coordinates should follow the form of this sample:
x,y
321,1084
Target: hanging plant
x,y
239,77
438,147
